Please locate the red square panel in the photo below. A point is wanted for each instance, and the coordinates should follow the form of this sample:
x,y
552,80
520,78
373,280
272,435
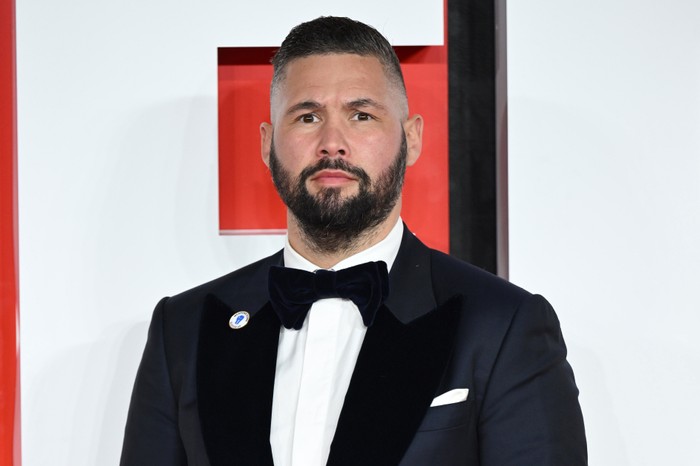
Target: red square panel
x,y
248,202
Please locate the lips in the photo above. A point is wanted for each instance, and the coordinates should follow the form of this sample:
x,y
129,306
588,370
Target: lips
x,y
332,177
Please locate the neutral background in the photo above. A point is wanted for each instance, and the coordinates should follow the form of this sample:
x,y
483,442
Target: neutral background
x,y
118,198
605,209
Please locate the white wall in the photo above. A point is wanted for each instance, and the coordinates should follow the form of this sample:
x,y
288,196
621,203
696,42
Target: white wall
x,y
118,199
604,154
118,189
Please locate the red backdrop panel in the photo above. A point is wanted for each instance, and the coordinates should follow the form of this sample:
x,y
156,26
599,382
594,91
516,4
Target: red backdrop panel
x,y
248,202
9,350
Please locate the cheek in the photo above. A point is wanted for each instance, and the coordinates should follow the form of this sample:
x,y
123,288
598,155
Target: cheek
x,y
291,153
376,153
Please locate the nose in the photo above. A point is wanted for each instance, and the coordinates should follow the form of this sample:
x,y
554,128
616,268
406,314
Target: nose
x,y
333,141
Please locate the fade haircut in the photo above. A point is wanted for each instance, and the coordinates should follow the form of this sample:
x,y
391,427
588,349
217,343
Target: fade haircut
x,y
331,35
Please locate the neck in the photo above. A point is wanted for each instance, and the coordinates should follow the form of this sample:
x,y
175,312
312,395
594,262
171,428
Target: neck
x,y
310,249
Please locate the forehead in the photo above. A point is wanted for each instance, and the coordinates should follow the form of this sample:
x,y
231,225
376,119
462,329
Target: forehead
x,y
333,75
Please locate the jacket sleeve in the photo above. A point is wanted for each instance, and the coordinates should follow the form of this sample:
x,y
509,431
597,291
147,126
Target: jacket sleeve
x,y
531,414
152,437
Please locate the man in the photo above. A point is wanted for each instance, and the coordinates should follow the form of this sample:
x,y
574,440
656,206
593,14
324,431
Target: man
x,y
443,364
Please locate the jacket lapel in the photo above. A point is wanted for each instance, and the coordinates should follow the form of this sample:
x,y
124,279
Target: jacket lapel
x,y
397,373
400,365
236,372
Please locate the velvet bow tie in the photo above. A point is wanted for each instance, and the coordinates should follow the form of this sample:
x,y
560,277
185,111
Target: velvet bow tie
x,y
293,291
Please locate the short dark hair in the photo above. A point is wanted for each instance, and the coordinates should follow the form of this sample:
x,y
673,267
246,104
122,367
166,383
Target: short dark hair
x,y
330,35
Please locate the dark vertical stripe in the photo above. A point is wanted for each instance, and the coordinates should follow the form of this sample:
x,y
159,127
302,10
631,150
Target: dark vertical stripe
x,y
501,140
474,194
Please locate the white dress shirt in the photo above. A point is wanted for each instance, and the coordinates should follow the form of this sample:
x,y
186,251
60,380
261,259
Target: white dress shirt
x,y
315,364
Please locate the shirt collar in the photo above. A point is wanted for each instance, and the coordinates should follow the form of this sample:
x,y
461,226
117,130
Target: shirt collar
x,y
385,250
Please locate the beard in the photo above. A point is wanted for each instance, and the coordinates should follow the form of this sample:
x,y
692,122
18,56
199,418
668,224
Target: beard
x,y
329,222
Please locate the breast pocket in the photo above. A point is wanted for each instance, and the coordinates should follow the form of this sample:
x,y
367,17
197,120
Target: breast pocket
x,y
446,437
446,416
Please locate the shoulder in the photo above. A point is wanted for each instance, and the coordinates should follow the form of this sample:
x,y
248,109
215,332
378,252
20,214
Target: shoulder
x,y
492,307
249,279
244,288
177,318
427,278
451,275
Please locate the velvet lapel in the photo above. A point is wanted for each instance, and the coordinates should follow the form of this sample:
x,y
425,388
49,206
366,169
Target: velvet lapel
x,y
399,367
236,372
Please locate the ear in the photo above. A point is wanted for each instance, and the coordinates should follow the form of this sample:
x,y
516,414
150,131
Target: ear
x,y
413,128
265,142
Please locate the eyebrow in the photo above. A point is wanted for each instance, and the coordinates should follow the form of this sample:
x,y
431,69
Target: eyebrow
x,y
364,103
305,105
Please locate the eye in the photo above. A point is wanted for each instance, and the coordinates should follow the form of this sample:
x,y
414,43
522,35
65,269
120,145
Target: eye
x,y
362,116
308,118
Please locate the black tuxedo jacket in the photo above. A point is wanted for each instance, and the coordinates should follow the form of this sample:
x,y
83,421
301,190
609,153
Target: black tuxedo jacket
x,y
203,393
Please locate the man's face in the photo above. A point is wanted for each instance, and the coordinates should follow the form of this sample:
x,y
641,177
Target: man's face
x,y
332,220
341,143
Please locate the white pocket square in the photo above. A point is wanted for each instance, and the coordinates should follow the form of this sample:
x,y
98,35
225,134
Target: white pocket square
x,y
453,396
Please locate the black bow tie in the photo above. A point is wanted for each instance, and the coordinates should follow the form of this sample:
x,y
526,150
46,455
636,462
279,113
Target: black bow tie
x,y
293,291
